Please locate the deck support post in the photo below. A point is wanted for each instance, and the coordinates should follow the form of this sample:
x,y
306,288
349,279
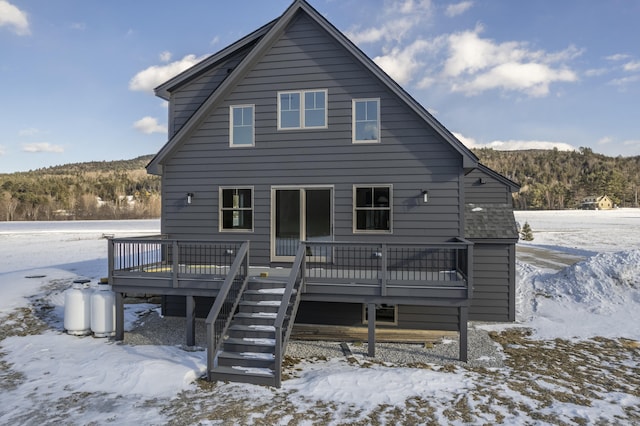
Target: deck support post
x,y
371,338
119,316
191,320
463,314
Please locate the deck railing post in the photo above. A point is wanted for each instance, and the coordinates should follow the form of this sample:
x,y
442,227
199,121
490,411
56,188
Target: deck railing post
x,y
175,262
463,313
110,257
385,262
191,321
371,338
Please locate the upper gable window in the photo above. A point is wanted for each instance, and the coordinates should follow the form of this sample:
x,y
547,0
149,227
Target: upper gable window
x,y
366,120
242,130
302,109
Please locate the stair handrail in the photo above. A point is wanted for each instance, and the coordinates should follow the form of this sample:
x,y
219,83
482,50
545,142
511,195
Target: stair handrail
x,y
293,289
226,303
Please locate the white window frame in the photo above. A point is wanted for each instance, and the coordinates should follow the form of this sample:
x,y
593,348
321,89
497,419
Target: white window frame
x,y
232,125
302,118
354,122
372,208
222,209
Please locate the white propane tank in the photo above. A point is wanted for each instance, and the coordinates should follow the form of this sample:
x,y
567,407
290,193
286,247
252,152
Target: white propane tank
x,y
77,309
103,311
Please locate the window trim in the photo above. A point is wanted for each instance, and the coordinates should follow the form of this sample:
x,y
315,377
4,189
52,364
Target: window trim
x,y
222,209
253,126
302,111
356,209
353,121
365,317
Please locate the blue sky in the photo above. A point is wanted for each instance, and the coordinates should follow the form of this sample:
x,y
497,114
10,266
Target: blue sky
x,y
78,76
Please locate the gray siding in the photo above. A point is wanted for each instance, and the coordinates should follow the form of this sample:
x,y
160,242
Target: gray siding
x,y
187,99
494,282
350,314
412,156
480,188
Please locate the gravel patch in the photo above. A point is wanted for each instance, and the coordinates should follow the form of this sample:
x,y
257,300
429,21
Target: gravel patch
x,y
152,329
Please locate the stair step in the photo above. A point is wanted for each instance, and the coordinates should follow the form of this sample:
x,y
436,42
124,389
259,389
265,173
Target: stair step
x,y
266,306
263,295
255,318
261,345
256,283
251,330
258,376
246,359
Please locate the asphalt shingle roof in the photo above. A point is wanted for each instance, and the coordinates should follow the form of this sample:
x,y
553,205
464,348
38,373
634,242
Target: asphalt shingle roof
x,y
490,221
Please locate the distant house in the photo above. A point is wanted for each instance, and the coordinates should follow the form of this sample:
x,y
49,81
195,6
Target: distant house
x,y
597,203
291,154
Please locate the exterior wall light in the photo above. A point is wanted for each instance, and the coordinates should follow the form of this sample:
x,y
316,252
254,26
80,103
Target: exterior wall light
x,y
425,196
189,197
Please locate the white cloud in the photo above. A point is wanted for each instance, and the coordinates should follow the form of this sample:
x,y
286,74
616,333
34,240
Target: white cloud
x,y
150,78
632,66
42,147
595,72
80,26
402,63
618,57
165,56
458,8
2,151
621,82
412,6
31,131
475,65
214,41
395,22
149,125
14,18
514,145
605,140
530,78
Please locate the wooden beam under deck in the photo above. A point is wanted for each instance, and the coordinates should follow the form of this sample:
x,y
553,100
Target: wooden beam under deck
x,y
360,334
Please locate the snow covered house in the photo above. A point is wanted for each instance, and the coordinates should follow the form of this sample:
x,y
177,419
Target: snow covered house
x,y
301,183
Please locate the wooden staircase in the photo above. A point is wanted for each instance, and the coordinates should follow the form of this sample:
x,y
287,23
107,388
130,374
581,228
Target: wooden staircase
x,y
248,349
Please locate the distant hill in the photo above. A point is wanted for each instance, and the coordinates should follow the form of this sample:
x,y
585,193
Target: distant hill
x,y
137,163
92,190
553,179
550,179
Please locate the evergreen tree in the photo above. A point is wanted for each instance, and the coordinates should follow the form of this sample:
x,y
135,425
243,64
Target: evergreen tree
x,y
526,233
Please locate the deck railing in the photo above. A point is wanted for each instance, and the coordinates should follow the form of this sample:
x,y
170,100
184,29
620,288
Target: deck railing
x,y
386,265
226,303
167,257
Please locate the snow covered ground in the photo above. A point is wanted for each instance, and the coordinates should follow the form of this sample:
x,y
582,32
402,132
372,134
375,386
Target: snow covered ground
x,y
48,377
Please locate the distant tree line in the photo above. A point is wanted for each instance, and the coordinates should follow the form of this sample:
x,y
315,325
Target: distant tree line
x,y
549,179
552,179
95,190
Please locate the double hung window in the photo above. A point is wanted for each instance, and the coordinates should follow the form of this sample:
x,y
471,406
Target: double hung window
x,y
366,120
236,209
372,209
303,109
242,129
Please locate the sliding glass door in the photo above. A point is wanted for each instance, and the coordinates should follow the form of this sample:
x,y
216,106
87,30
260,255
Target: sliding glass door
x,y
299,214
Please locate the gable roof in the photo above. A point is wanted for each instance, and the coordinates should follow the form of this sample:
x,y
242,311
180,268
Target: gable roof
x,y
264,38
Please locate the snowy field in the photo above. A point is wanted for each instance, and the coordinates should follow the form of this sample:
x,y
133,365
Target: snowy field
x,y
579,364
